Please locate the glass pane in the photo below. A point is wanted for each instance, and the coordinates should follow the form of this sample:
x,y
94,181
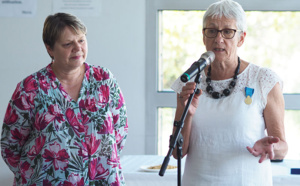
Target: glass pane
x,y
180,44
292,131
165,126
272,41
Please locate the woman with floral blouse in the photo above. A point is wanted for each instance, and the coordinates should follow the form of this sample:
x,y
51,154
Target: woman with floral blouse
x,y
66,124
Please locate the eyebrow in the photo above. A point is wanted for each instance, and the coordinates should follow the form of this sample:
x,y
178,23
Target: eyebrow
x,y
70,40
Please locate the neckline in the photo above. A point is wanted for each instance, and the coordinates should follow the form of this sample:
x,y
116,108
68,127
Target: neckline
x,y
229,79
61,87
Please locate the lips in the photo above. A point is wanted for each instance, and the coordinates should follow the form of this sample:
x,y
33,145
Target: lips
x,y
219,49
76,57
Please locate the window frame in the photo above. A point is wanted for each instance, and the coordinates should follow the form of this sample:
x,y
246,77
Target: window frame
x,y
156,98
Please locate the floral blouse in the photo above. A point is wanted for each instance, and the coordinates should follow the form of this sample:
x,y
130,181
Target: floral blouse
x,y
50,139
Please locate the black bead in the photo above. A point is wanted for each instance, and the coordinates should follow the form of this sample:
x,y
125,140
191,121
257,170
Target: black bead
x,y
216,95
232,83
226,92
208,80
208,71
209,89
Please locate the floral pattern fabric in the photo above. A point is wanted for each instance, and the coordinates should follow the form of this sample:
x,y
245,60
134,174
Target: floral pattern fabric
x,y
50,139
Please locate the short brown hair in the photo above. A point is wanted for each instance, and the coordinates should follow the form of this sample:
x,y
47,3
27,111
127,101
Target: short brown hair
x,y
55,24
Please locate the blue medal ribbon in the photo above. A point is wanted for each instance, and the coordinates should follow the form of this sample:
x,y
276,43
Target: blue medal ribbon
x,y
249,92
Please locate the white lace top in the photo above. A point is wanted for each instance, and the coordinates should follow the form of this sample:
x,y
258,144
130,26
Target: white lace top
x,y
222,128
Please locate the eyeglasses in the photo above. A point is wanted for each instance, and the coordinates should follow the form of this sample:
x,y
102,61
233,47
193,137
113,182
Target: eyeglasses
x,y
226,33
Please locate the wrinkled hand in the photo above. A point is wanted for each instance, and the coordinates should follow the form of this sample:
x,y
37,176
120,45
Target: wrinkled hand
x,y
182,98
264,148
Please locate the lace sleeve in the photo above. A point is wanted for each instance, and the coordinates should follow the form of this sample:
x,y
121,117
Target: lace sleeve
x,y
177,85
267,80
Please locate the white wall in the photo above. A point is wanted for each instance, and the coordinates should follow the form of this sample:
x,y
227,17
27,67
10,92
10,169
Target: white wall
x,y
116,40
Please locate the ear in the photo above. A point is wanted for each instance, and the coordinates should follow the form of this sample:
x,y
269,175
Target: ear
x,y
49,50
242,39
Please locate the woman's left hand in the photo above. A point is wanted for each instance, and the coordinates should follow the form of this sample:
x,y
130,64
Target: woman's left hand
x,y
264,148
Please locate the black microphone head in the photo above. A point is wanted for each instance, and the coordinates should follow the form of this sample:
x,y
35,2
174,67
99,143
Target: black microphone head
x,y
209,57
184,78
198,66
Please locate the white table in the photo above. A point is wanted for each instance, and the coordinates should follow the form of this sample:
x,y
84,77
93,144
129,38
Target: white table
x,y
135,176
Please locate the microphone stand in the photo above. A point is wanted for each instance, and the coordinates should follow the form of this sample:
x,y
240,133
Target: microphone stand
x,y
177,137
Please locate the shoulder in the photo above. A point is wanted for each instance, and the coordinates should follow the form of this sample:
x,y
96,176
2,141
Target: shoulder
x,y
263,75
100,73
267,77
30,82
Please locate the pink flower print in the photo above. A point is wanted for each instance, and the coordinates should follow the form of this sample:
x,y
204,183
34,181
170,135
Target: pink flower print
x,y
26,171
83,152
119,137
117,182
57,156
83,117
87,71
16,93
22,103
10,116
71,117
50,73
36,149
126,126
114,159
30,84
121,102
55,114
53,84
89,104
20,136
99,74
74,180
12,160
107,127
104,95
41,121
47,183
96,170
91,144
115,118
45,86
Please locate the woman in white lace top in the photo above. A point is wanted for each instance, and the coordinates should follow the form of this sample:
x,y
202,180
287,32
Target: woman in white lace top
x,y
235,125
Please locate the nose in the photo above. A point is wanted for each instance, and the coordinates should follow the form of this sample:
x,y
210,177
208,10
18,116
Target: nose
x,y
77,47
219,37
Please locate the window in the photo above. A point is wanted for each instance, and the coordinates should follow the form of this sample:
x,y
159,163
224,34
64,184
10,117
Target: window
x,y
177,32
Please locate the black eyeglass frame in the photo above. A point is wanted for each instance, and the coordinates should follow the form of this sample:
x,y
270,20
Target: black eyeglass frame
x,y
235,30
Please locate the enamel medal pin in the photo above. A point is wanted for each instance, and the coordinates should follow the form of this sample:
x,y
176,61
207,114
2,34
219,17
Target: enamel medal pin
x,y
249,92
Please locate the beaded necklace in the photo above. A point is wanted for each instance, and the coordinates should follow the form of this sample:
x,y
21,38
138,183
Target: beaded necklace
x,y
227,91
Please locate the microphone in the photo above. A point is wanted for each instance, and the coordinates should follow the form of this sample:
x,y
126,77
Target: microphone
x,y
205,59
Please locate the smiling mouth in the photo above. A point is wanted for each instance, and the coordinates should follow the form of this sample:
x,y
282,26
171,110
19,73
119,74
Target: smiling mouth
x,y
76,57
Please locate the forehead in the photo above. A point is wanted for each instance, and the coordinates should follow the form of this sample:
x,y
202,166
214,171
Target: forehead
x,y
70,33
220,22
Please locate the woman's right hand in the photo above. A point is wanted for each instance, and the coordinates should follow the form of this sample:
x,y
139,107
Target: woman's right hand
x,y
183,97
